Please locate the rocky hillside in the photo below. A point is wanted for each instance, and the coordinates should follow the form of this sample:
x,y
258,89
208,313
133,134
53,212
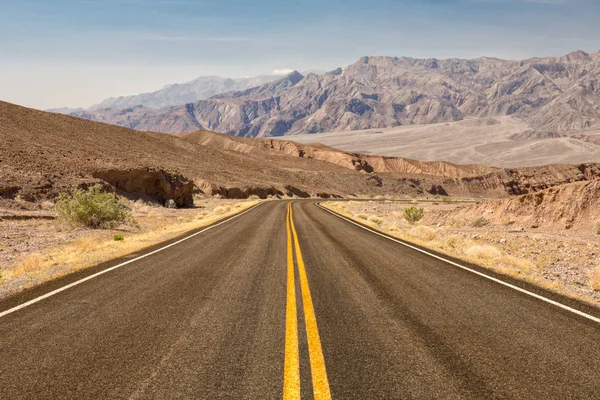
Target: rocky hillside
x,y
572,205
44,154
354,161
551,95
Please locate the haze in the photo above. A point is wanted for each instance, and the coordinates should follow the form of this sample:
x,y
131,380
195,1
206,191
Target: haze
x,y
75,53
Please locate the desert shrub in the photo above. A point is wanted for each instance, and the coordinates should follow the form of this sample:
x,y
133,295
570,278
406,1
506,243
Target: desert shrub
x,y
483,253
363,216
254,197
446,199
413,214
93,208
221,209
375,219
479,222
595,279
597,227
454,242
118,237
424,233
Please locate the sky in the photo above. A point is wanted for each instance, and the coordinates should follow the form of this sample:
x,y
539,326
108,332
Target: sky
x,y
74,53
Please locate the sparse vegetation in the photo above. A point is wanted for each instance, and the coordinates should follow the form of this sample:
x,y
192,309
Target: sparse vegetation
x,y
446,199
93,208
479,222
483,253
118,237
413,214
597,227
454,242
253,197
424,233
595,279
375,219
363,216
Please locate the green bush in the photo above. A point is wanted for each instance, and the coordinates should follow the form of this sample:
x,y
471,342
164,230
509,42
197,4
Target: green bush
x,y
118,237
413,214
93,208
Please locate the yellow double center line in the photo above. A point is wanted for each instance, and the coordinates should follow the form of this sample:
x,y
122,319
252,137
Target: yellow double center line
x,y
291,380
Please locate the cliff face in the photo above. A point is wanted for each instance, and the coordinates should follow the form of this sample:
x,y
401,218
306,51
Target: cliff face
x,y
554,94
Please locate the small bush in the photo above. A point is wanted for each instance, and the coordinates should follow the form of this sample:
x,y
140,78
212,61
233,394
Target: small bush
x,y
446,199
424,233
254,197
597,227
413,214
483,253
479,222
375,219
221,209
363,216
118,237
93,208
595,279
454,242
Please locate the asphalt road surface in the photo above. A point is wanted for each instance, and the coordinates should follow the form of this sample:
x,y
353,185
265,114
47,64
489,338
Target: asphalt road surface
x,y
277,304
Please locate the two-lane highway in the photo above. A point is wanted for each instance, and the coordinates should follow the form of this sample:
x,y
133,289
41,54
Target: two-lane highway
x,y
293,302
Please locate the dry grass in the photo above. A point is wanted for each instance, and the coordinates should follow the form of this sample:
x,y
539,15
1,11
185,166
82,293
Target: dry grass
x,y
595,279
423,232
483,253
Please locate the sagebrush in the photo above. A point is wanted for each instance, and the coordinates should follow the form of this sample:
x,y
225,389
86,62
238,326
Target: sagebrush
x,y
93,208
413,214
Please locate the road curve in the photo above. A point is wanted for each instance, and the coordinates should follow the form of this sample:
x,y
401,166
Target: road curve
x,y
216,317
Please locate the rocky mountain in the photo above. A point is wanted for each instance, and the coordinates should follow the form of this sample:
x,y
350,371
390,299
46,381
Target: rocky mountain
x,y
188,92
553,94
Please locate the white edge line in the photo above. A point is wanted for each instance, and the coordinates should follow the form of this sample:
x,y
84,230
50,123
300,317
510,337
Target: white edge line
x,y
527,292
104,271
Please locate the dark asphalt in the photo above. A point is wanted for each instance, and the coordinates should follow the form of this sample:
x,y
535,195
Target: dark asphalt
x,y
205,319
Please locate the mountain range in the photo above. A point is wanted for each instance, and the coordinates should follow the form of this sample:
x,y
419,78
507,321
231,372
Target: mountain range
x,y
550,95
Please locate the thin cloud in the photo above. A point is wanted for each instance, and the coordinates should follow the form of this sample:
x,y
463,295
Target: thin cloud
x,y
167,38
282,71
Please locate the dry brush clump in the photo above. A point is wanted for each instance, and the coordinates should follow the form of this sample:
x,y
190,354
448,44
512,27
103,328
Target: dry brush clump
x,y
424,233
93,208
595,279
484,253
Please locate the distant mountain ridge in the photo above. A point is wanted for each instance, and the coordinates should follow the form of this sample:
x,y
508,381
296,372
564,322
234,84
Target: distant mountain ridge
x,y
553,94
188,92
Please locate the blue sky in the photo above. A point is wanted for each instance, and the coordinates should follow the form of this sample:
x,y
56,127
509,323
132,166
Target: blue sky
x,y
77,52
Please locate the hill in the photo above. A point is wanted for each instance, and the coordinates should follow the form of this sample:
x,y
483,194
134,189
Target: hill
x,y
45,153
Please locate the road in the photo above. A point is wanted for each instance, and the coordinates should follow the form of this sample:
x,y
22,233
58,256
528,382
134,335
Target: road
x,y
275,305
